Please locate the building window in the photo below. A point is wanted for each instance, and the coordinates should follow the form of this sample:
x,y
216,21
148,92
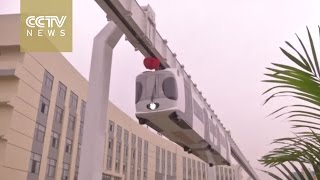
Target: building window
x,y
163,164
174,164
124,168
221,172
138,172
133,152
107,177
110,144
68,148
168,163
62,89
233,174
34,166
55,140
199,171
118,148
65,171
76,173
79,150
44,105
111,126
133,140
145,161
110,153
184,168
157,159
125,151
204,171
189,169
73,100
117,166
132,170
51,167
139,143
226,173
48,80
40,131
126,136
146,147
145,173
72,122
83,110
109,162
81,131
139,157
119,132
58,114
194,169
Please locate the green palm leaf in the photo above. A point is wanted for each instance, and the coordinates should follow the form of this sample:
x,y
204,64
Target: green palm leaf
x,y
296,157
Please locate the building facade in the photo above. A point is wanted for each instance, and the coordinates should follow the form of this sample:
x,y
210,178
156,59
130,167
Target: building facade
x,y
232,172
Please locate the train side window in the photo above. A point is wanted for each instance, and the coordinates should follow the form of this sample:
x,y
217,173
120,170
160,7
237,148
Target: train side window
x,y
138,91
169,88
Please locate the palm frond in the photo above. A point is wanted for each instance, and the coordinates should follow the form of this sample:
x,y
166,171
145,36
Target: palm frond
x,y
296,157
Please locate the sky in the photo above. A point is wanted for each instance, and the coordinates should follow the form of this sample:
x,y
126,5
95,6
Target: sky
x,y
224,45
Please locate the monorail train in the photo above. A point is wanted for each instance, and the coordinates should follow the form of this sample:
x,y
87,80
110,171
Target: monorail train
x,y
168,102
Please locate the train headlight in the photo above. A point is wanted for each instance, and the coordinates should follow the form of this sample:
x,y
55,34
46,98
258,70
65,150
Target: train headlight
x,y
153,106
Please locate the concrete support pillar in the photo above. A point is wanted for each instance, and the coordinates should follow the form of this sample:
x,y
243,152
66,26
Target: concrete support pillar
x,y
93,142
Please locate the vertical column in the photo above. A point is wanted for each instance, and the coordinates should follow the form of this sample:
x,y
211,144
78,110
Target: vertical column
x,y
91,162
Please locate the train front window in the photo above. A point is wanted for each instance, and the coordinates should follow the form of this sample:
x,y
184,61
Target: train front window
x,y
138,91
169,87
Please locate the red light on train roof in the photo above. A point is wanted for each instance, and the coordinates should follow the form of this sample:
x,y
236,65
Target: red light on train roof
x,y
151,63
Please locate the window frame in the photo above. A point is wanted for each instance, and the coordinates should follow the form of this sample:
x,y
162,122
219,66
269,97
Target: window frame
x,y
44,105
68,146
109,162
72,122
55,137
48,80
110,144
38,131
170,88
73,100
62,90
58,112
51,169
35,163
65,171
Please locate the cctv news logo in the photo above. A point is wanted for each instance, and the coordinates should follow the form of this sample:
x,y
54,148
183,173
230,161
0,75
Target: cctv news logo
x,y
45,26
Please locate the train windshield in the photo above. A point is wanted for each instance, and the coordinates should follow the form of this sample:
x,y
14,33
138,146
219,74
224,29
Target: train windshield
x,y
155,86
169,87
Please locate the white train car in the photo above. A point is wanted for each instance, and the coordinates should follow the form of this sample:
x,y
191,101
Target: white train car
x,y
168,101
